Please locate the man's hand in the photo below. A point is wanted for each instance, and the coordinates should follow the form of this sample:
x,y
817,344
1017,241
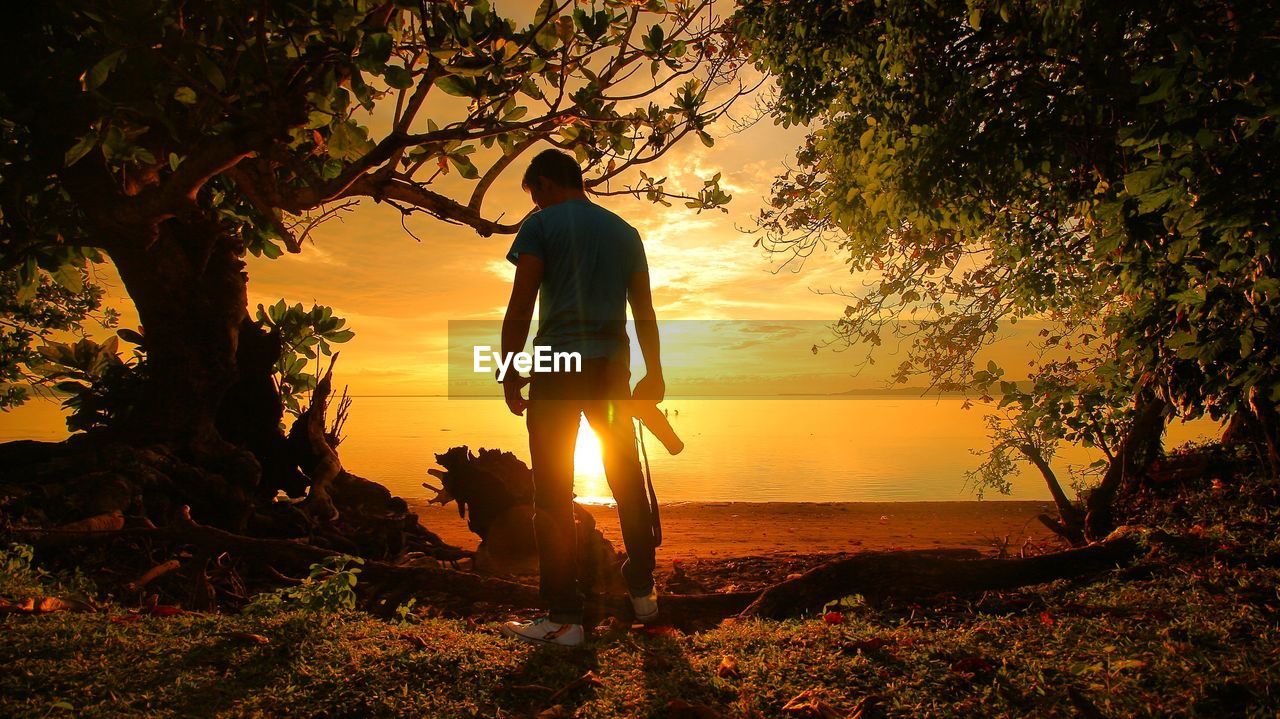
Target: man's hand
x,y
511,392
652,388
515,324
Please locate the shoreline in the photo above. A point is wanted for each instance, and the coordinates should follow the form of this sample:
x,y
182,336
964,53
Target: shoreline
x,y
719,530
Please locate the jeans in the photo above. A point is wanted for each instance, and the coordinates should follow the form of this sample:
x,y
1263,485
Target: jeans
x,y
556,401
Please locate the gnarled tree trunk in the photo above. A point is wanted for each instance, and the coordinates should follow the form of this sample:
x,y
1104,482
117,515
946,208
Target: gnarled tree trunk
x,y
1133,457
1070,522
189,288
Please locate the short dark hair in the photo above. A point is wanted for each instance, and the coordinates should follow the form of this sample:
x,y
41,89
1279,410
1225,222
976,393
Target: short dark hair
x,y
557,166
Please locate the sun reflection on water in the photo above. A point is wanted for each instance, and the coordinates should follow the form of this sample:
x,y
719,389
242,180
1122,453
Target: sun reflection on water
x,y
588,468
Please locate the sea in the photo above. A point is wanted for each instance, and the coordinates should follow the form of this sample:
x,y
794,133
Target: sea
x,y
743,449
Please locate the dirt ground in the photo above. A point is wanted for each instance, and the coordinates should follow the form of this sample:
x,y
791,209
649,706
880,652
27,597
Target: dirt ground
x,y
719,530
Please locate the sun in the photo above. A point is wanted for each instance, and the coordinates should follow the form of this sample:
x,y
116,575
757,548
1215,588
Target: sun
x,y
588,468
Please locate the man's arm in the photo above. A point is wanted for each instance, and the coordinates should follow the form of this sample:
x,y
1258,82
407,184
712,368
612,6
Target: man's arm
x,y
515,324
652,388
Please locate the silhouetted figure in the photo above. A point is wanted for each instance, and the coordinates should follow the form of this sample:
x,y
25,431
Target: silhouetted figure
x,y
583,265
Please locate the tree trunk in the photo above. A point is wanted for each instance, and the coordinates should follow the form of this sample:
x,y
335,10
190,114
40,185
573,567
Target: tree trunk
x,y
189,288
1133,457
1070,522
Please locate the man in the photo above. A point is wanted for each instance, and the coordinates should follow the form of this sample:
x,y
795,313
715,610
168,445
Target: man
x,y
583,264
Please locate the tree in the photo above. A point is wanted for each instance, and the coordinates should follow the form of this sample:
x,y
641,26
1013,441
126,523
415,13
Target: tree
x,y
1108,169
177,136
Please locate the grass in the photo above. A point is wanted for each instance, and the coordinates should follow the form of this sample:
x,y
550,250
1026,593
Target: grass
x,y
1190,633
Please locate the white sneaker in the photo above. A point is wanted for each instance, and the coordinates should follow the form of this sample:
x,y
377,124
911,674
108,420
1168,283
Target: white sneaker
x,y
646,607
545,631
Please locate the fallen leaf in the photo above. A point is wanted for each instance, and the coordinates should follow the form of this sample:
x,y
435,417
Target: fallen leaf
x,y
833,618
417,641
247,637
870,645
972,665
809,705
590,679
868,707
44,605
166,610
152,574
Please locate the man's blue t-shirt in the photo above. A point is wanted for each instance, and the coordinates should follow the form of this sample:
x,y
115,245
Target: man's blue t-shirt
x,y
589,255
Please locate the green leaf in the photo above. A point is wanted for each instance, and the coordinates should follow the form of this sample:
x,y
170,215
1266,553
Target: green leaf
x,y
80,149
1139,181
544,10
547,38
457,86
1246,343
347,141
465,168
376,48
211,71
397,77
69,278
135,337
99,72
26,291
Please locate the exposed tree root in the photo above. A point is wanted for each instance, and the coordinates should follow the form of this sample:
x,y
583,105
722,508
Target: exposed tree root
x,y
912,574
875,575
50,484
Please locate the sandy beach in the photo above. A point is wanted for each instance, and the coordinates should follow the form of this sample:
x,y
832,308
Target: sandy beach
x,y
718,530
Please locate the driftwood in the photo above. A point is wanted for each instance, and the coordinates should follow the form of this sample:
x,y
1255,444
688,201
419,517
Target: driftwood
x,y
316,456
493,491
915,574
